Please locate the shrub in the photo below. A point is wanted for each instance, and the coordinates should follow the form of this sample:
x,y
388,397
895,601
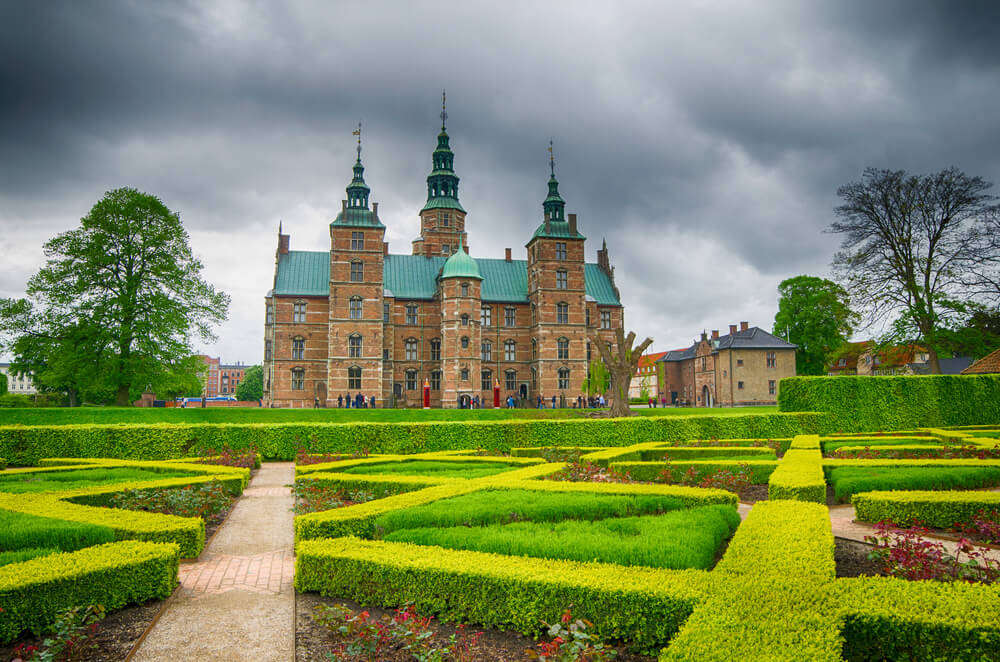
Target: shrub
x,y
907,554
799,476
73,638
935,509
205,500
848,480
20,555
571,642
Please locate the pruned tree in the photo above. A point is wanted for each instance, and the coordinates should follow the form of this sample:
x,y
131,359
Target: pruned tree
x,y
621,362
916,250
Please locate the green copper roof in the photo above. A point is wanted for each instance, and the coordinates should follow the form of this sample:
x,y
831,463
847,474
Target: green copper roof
x,y
305,273
359,218
557,230
460,265
442,203
415,277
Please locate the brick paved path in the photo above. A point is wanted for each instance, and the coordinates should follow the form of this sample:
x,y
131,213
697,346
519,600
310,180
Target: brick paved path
x,y
236,602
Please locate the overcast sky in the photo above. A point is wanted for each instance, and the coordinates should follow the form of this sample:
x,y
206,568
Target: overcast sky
x,y
704,140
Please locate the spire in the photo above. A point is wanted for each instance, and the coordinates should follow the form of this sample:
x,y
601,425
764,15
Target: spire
x,y
442,183
554,205
357,190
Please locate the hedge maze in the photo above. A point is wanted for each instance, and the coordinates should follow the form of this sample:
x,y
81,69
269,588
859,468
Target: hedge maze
x,y
62,546
468,549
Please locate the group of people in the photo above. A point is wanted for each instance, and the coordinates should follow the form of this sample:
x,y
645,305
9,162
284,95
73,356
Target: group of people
x,y
541,402
359,401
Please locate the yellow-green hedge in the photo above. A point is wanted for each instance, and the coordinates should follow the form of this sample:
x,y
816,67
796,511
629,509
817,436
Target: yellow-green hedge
x,y
940,509
116,574
760,470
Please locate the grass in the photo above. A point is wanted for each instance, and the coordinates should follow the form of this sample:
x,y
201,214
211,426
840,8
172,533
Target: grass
x,y
19,531
678,539
430,468
830,446
55,481
79,415
504,506
6,558
853,480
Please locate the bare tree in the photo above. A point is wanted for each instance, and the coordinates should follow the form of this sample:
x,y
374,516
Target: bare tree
x,y
911,246
622,364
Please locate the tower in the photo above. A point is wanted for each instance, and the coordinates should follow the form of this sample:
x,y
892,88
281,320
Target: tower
x,y
460,292
442,219
557,297
357,254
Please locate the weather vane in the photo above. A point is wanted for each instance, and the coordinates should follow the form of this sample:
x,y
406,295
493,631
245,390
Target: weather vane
x,y
357,132
444,112
552,159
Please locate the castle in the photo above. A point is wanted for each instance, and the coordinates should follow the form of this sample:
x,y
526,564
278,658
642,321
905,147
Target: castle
x,y
359,319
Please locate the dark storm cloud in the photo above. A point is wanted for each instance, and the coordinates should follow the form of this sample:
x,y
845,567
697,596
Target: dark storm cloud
x,y
705,142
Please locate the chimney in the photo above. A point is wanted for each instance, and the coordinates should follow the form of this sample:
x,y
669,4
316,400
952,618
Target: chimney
x,y
506,254
375,208
572,223
385,248
732,329
715,334
744,326
283,241
704,336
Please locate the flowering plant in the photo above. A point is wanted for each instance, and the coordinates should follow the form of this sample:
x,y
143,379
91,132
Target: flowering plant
x,y
73,639
907,554
571,643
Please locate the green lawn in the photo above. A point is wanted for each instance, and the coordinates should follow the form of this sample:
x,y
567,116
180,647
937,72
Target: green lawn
x,y
55,481
20,531
77,415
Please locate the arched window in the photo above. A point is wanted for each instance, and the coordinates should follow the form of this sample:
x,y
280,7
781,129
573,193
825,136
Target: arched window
x,y
354,378
562,313
357,271
487,381
354,346
563,378
563,347
298,379
465,289
411,380
465,320
487,350
534,349
299,312
298,348
510,351
464,374
510,380
465,342
355,308
436,349
411,349
534,313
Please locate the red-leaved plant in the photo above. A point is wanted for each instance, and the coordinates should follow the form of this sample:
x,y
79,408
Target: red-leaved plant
x,y
72,640
571,643
907,554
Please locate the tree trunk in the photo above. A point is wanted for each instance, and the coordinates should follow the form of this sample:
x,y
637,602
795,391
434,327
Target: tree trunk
x,y
621,366
934,361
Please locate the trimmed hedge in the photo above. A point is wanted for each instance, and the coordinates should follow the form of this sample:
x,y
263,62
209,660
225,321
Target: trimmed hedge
x,y
895,403
116,574
931,508
510,593
27,444
799,476
760,470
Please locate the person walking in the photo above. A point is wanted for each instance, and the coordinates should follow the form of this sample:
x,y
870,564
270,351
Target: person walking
x,y
340,401
371,399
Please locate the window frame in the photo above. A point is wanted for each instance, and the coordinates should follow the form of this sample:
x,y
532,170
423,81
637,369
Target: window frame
x,y
354,373
357,240
562,313
355,308
298,348
355,345
411,349
357,271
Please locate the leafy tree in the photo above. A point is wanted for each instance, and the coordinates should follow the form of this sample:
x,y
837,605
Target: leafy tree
x,y
252,386
598,379
117,303
977,335
915,252
815,314
3,384
181,379
620,359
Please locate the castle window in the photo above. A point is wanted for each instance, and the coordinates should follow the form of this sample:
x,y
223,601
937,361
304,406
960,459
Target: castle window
x,y
354,377
435,349
299,312
465,374
562,280
704,363
487,350
465,342
445,249
267,350
588,353
534,379
563,348
534,314
563,378
510,316
739,385
534,349
357,241
355,308
354,347
487,381
445,219
436,380
771,386
411,314
411,349
510,351
510,380
772,360
739,362
486,315
385,312
587,314
465,289
560,250
269,315
298,379
411,380
465,320
605,319
562,313
298,348
357,272
385,354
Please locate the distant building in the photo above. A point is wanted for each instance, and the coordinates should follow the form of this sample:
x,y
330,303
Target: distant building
x,y
647,376
19,383
988,365
741,368
221,378
866,358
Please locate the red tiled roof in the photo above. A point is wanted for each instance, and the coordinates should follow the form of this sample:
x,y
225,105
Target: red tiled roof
x,y
647,360
986,365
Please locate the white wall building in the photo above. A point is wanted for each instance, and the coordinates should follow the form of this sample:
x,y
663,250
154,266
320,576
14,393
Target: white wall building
x,y
17,383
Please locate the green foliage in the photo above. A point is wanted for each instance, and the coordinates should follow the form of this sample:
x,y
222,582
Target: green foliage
x,y
977,335
895,403
854,479
934,509
431,468
3,383
729,453
252,385
6,558
22,531
687,538
14,400
117,303
598,379
54,481
33,593
651,471
815,314
833,445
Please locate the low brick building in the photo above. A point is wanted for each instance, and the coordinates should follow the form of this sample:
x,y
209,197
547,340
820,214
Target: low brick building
x,y
221,378
359,319
743,367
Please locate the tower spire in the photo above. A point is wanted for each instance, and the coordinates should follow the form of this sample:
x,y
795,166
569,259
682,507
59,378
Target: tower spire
x,y
357,190
554,204
552,159
444,108
442,183
357,132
